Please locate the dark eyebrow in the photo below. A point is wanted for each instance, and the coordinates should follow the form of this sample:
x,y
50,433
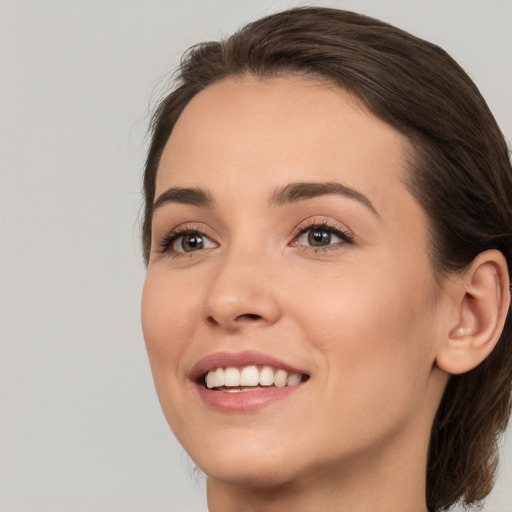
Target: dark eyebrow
x,y
300,191
193,196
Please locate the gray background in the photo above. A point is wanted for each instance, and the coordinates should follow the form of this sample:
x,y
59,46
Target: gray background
x,y
80,426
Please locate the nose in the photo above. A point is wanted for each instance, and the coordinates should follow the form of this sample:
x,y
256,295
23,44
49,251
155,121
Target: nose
x,y
242,293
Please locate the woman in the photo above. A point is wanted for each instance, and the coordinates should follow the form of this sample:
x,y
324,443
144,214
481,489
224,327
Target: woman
x,y
328,235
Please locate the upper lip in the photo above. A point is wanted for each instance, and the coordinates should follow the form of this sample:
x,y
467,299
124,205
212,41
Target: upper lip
x,y
238,359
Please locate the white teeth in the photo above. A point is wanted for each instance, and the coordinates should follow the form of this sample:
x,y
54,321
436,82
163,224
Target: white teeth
x,y
266,376
280,378
215,378
219,377
294,379
231,377
249,377
238,390
210,380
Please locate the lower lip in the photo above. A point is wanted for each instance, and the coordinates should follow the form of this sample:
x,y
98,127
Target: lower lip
x,y
244,401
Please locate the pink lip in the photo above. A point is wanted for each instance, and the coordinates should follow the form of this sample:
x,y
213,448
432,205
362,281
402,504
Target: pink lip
x,y
246,401
242,402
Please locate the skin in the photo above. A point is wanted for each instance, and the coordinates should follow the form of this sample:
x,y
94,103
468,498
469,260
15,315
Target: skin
x,y
365,319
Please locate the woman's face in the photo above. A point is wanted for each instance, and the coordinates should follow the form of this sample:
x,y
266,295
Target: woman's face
x,y
286,245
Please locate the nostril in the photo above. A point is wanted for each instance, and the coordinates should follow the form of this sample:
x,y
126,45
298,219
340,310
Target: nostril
x,y
212,320
248,316
234,321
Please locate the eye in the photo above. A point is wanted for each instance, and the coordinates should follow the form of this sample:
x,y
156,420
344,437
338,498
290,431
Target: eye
x,y
185,241
190,242
318,237
322,236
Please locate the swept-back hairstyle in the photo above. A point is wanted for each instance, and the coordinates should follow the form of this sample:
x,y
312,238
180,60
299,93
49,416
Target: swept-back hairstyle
x,y
459,171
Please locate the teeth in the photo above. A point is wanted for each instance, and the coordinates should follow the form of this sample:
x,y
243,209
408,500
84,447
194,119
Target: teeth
x,y
210,379
249,377
266,376
280,378
294,379
238,390
219,378
215,379
231,377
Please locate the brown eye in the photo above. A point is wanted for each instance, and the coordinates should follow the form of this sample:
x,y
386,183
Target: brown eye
x,y
323,236
319,237
190,242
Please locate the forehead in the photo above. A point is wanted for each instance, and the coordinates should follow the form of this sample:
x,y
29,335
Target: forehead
x,y
272,132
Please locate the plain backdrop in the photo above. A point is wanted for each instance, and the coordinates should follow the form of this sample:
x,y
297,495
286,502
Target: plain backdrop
x,y
80,425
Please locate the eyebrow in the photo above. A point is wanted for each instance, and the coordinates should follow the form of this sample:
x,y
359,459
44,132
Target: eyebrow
x,y
192,196
295,192
291,193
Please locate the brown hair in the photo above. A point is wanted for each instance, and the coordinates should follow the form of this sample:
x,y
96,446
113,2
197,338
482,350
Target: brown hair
x,y
460,173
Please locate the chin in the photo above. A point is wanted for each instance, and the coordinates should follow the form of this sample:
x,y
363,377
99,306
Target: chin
x,y
253,464
263,473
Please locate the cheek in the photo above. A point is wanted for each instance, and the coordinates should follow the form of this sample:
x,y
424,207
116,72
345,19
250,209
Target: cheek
x,y
167,320
373,331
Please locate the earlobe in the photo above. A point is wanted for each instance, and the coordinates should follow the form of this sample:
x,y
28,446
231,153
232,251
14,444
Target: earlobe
x,y
483,300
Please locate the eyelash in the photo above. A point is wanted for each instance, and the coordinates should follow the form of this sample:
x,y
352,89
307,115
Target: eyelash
x,y
343,234
165,245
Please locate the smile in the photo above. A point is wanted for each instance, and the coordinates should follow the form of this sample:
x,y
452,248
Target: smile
x,y
250,378
245,381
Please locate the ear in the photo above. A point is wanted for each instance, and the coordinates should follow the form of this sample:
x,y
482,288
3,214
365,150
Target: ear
x,y
482,297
